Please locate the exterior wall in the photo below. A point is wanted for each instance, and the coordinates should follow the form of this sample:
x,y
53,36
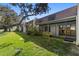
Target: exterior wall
x,y
53,29
57,30
77,26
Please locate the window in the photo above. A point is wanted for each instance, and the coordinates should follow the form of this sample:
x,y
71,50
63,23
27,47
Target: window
x,y
73,30
62,29
46,28
68,30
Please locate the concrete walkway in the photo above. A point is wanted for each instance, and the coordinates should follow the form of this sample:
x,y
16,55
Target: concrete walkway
x,y
74,49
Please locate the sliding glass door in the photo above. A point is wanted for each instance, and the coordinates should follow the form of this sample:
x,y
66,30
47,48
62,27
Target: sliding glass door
x,y
67,30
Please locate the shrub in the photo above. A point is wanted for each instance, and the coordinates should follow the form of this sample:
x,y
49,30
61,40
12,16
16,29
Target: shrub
x,y
47,34
34,31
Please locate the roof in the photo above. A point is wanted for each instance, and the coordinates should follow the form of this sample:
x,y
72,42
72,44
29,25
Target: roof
x,y
72,11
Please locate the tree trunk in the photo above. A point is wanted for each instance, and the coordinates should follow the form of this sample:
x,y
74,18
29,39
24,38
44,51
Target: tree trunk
x,y
5,29
22,19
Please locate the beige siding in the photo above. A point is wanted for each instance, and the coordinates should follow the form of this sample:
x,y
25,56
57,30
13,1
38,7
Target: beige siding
x,y
52,29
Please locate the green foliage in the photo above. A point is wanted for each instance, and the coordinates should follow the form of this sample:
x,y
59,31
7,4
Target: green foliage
x,y
47,34
34,31
31,9
8,19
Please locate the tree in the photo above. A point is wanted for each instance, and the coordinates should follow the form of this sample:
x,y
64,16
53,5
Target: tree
x,y
8,18
7,21
30,9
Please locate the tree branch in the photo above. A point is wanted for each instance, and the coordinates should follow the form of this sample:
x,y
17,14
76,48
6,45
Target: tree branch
x,y
24,17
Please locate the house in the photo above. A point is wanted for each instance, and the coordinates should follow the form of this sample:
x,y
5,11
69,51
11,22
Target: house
x,y
60,23
63,23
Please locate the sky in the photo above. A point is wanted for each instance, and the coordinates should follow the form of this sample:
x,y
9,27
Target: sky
x,y
55,7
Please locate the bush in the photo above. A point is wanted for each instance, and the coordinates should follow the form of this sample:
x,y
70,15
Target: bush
x,y
34,31
28,32
37,33
47,34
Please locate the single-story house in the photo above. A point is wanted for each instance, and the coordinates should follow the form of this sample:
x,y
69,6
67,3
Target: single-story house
x,y
60,23
63,23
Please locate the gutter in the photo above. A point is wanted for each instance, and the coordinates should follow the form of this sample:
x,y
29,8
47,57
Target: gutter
x,y
71,18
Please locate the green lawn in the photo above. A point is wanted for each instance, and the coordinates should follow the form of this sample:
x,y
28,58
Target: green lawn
x,y
15,43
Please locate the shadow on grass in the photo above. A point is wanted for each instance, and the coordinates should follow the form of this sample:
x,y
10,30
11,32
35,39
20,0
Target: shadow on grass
x,y
54,45
3,45
17,50
2,33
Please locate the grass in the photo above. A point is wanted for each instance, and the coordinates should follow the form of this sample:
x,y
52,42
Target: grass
x,y
18,44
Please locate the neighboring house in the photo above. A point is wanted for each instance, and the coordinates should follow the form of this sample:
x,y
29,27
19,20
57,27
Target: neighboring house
x,y
63,23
